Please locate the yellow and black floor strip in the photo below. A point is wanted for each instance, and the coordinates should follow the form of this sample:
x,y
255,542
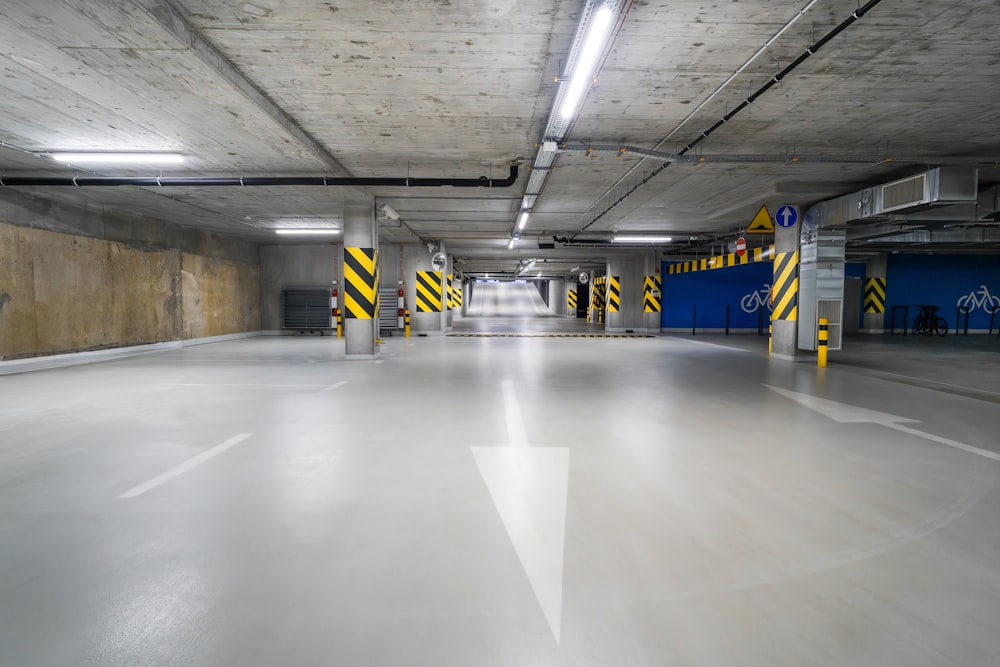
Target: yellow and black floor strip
x,y
546,335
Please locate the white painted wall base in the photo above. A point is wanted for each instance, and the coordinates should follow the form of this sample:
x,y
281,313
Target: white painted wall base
x,y
94,356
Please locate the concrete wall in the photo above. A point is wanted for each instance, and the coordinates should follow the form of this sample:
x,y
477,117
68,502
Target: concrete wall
x,y
313,265
68,293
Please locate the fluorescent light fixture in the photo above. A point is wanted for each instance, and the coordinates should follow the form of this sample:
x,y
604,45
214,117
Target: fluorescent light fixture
x,y
118,158
574,269
523,220
511,244
583,72
293,231
641,239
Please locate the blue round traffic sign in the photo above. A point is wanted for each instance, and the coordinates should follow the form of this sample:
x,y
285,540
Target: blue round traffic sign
x,y
786,216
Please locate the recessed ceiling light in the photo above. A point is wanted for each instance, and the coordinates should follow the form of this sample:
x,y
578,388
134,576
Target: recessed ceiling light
x,y
118,158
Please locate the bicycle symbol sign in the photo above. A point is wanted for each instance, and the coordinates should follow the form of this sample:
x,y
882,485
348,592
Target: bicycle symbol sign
x,y
980,298
751,303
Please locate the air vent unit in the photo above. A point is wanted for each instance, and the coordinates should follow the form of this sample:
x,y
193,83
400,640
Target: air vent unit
x,y
904,193
944,185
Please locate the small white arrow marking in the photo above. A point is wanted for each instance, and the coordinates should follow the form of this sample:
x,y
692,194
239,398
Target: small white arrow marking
x,y
844,413
840,412
528,486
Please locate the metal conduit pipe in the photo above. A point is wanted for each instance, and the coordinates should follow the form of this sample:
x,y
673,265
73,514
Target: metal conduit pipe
x,y
810,51
257,181
777,157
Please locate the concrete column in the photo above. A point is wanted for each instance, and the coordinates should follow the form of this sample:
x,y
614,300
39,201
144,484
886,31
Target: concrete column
x,y
632,270
784,336
557,296
418,258
360,231
877,267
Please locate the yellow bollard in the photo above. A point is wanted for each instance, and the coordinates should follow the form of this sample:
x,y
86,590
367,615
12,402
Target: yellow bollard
x,y
340,325
824,337
406,322
770,331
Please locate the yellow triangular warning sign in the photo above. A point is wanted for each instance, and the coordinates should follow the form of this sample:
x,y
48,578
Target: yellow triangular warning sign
x,y
761,223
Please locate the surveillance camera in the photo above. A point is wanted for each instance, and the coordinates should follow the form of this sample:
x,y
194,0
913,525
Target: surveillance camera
x,y
389,212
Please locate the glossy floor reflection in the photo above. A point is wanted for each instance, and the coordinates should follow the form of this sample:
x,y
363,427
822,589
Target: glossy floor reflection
x,y
493,501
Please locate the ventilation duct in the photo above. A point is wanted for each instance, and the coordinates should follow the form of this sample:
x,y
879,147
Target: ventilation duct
x,y
943,186
989,203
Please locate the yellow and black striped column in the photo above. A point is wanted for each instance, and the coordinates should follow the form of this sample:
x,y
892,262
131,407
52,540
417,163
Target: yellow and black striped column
x,y
614,294
451,292
456,297
651,286
571,301
785,286
429,295
360,283
875,295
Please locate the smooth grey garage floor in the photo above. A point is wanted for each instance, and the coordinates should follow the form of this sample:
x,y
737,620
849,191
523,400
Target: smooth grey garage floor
x,y
494,501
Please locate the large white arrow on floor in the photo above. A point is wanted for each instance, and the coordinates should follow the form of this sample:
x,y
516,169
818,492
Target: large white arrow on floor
x,y
528,486
845,413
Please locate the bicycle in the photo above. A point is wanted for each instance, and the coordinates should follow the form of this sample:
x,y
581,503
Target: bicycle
x,y
928,322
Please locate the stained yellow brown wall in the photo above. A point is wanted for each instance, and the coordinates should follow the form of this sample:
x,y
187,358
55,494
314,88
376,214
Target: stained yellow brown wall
x,y
68,293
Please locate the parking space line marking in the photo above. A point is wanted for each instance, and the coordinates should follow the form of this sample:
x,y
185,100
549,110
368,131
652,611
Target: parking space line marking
x,y
186,466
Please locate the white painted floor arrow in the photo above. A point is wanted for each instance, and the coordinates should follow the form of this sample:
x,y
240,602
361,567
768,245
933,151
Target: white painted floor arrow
x,y
528,486
845,413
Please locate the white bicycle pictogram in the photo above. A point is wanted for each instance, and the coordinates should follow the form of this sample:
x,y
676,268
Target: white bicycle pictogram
x,y
751,302
980,298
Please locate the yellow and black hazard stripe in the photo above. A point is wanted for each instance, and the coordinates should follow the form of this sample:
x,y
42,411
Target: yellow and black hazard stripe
x,y
785,286
651,294
456,297
875,295
451,292
429,296
751,256
614,294
360,283
571,299
546,335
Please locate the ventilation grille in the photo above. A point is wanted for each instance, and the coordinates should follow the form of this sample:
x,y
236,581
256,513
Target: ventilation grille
x,y
388,308
305,309
905,193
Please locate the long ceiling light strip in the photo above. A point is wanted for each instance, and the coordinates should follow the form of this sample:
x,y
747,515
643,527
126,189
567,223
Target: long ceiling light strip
x,y
589,42
583,73
641,239
117,158
299,231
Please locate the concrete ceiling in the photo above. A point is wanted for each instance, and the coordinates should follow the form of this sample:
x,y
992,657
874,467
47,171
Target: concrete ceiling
x,y
432,88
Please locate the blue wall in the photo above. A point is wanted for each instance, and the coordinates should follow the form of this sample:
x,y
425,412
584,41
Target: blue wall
x,y
712,291
942,280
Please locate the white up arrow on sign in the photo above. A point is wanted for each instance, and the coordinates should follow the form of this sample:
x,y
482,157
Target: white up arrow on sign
x,y
786,216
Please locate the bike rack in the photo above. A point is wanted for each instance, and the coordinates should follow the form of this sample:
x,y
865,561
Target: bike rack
x,y
892,319
959,312
993,316
760,321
